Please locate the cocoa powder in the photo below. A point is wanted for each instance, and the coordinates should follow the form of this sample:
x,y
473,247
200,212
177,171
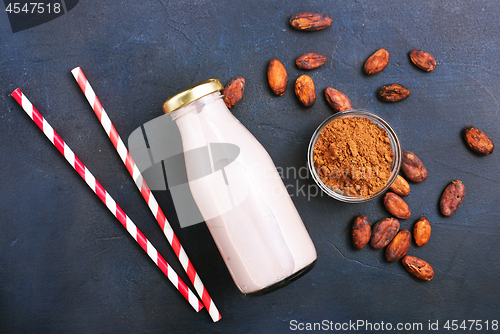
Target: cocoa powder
x,y
353,156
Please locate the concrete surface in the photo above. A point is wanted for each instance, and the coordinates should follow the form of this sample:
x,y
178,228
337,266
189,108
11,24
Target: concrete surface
x,y
66,264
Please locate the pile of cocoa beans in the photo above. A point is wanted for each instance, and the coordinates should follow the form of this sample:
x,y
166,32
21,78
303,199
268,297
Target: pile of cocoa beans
x,y
386,232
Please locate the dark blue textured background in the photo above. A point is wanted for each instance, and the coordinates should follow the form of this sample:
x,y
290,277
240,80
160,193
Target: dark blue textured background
x,y
66,264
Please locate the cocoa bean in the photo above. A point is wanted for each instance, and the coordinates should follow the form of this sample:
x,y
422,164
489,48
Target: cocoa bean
x,y
361,231
423,60
412,168
310,21
393,93
337,100
422,231
305,91
400,186
452,197
233,91
418,268
396,206
310,61
383,231
478,141
277,77
376,62
398,246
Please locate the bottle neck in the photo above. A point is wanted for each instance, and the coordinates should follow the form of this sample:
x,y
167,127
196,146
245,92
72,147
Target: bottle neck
x,y
197,121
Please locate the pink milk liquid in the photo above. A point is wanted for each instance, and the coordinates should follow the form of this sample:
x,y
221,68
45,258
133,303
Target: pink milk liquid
x,y
247,209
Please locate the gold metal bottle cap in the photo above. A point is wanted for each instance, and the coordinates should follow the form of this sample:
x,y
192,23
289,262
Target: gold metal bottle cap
x,y
191,94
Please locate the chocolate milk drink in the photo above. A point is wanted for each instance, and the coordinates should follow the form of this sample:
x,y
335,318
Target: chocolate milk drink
x,y
239,193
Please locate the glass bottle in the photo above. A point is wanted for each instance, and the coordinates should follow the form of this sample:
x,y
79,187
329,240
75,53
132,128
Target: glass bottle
x,y
239,193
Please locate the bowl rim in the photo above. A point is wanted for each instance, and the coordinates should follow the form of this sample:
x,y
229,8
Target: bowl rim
x,y
395,146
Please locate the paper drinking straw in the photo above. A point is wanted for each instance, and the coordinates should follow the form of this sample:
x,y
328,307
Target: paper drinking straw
x,y
106,198
146,192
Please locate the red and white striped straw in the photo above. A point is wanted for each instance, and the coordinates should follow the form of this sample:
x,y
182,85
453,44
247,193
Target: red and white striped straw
x,y
146,192
106,198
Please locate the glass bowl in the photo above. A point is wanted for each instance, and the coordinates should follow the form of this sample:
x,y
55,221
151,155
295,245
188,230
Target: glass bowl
x,y
395,147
